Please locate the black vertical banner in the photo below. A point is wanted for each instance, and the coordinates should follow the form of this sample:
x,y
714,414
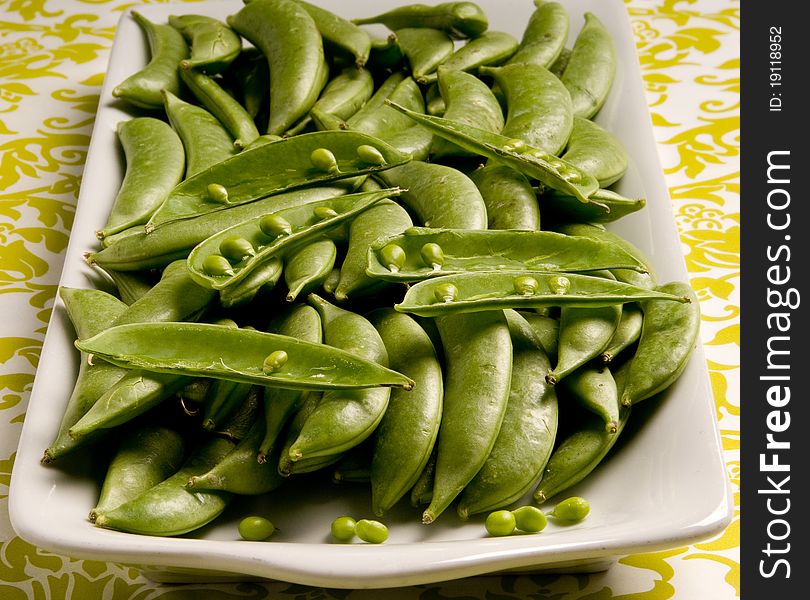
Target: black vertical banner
x,y
775,425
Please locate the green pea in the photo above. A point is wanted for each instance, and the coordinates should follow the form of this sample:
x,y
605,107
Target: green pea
x,y
275,225
217,192
530,519
256,529
371,531
393,257
500,523
323,160
369,154
325,212
446,292
216,264
526,285
515,145
571,509
236,248
343,528
274,361
560,284
433,255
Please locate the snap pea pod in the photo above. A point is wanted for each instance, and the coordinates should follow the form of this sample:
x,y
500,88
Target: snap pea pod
x,y
90,311
422,490
407,433
205,141
354,466
132,285
166,48
424,49
544,36
149,176
591,67
438,195
377,118
300,321
224,396
597,151
478,359
307,267
385,54
460,19
239,472
287,35
213,45
340,34
626,334
249,244
250,75
262,278
547,330
286,466
174,241
421,253
605,206
528,431
550,170
146,455
484,291
668,338
509,196
558,66
489,48
594,388
345,418
169,509
210,350
245,177
467,100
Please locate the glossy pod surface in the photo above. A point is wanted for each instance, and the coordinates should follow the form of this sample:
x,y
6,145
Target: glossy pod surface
x,y
209,350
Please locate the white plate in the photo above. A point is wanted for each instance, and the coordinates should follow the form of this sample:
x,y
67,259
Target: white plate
x,y
664,485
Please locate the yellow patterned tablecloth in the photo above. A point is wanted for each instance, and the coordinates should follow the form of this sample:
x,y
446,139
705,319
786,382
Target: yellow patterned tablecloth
x,y
52,59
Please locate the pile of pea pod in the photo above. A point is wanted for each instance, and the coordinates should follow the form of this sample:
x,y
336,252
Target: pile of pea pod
x,y
328,253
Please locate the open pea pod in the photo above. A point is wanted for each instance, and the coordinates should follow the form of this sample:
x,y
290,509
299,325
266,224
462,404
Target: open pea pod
x,y
550,170
237,354
421,253
289,163
473,292
228,257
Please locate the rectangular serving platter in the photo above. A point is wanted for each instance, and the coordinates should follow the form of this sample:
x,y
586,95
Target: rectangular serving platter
x,y
663,485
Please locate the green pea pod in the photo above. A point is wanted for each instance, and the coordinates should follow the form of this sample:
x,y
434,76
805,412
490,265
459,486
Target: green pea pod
x,y
485,291
262,278
175,240
468,100
595,150
166,48
460,19
244,355
558,66
214,45
490,48
591,67
414,141
300,321
544,36
577,455
205,141
509,196
288,467
407,433
250,75
594,388
383,220
344,419
457,251
354,466
605,206
424,49
146,455
223,399
90,311
307,267
245,178
547,330
551,171
423,183
422,490
627,332
528,431
272,235
130,285
539,109
149,176
287,35
239,472
377,118
169,509
668,338
340,34
478,359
